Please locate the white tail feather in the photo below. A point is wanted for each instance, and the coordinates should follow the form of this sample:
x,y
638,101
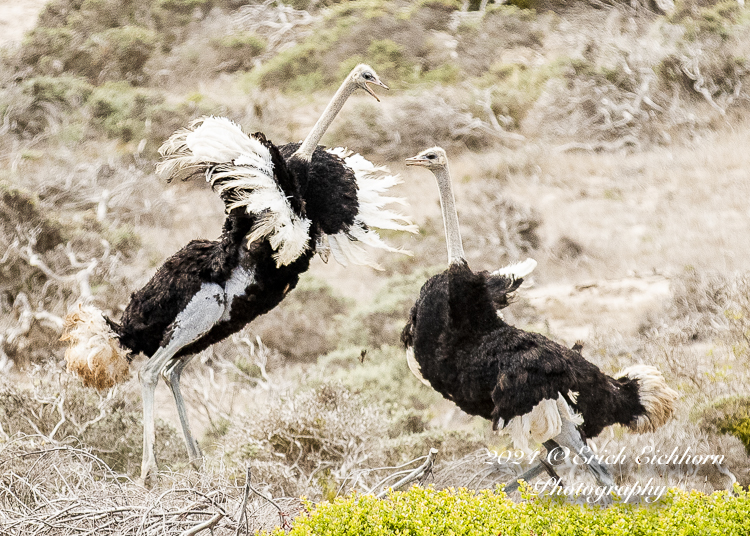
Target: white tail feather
x,y
240,167
94,351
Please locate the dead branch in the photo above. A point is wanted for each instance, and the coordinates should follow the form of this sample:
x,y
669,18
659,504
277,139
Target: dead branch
x,y
203,526
416,474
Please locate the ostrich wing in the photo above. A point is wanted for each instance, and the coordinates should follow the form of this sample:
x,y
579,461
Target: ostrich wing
x,y
372,183
248,172
531,369
502,283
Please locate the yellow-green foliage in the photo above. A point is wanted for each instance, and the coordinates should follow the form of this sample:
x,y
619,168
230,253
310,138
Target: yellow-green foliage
x,y
515,88
730,416
107,39
118,53
133,114
380,374
381,320
707,17
31,106
426,512
306,324
237,51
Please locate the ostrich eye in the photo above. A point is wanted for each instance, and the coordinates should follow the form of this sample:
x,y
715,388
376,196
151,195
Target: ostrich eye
x,y
431,156
367,76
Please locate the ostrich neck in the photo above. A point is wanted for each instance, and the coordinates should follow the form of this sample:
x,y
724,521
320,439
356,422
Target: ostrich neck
x,y
450,217
305,150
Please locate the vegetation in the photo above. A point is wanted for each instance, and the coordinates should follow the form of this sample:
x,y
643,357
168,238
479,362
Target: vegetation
x,y
603,142
426,511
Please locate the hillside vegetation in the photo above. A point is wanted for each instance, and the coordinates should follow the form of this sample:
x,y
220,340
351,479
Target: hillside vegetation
x,y
605,139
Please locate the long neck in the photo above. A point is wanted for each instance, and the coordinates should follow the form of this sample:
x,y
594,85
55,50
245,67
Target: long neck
x,y
450,216
305,150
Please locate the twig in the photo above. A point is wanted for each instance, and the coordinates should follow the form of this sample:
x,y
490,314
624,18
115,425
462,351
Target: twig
x,y
414,475
203,526
243,506
282,514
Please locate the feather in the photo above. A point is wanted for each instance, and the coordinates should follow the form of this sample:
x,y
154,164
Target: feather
x,y
372,182
94,351
239,167
517,270
543,422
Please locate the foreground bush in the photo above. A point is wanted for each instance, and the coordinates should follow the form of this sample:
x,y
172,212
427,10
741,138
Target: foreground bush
x,y
426,511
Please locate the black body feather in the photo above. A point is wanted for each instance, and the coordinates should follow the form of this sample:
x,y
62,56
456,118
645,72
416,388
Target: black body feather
x,y
494,370
329,188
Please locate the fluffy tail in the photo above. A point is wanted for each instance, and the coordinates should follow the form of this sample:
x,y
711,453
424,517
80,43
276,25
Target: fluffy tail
x,y
95,353
655,396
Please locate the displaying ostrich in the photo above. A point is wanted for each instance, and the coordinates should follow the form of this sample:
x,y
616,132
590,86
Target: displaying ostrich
x,y
276,216
526,384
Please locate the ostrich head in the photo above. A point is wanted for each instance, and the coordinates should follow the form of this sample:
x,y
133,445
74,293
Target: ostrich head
x,y
362,75
436,161
433,159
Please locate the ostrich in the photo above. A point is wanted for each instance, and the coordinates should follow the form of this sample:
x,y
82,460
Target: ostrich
x,y
211,289
523,382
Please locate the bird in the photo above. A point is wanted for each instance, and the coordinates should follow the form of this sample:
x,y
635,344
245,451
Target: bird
x,y
276,218
528,385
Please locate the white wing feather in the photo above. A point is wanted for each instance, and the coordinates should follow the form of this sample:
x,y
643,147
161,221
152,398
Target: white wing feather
x,y
241,167
372,182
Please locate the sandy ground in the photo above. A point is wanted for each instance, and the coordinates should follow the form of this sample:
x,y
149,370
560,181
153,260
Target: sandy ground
x,y
17,17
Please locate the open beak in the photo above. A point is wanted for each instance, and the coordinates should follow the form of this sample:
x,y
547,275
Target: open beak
x,y
416,161
371,92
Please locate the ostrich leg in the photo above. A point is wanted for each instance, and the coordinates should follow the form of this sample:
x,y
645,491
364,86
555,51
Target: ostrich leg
x,y
200,314
571,438
171,374
538,469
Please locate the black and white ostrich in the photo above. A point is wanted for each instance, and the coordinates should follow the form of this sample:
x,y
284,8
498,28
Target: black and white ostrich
x,y
278,211
523,382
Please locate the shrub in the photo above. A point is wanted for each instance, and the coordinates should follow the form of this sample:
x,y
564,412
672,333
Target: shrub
x,y
381,376
706,16
729,416
237,51
119,53
305,325
133,114
43,103
426,511
380,321
67,413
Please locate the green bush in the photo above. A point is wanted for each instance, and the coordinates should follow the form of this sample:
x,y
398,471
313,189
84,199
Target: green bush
x,y
36,104
132,114
119,53
428,512
381,375
380,321
237,51
729,416
702,17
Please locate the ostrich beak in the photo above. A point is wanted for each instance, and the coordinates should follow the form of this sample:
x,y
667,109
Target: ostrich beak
x,y
371,92
416,161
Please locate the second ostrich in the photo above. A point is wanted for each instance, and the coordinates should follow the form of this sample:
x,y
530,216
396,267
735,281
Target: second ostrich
x,y
523,382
